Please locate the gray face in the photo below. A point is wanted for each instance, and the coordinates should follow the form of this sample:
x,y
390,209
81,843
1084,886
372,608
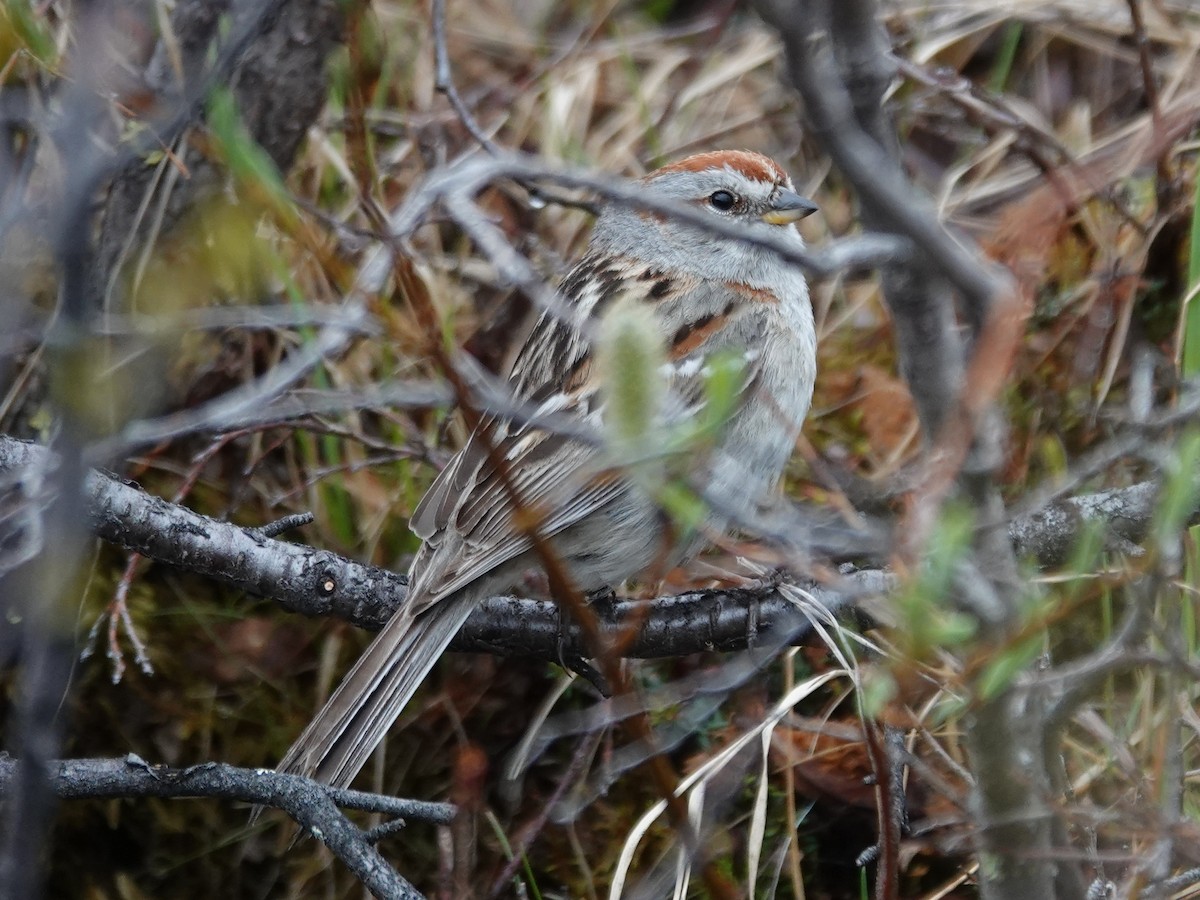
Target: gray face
x,y
724,192
755,206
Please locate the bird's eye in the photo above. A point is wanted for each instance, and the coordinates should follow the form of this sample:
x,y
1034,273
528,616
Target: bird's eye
x,y
722,200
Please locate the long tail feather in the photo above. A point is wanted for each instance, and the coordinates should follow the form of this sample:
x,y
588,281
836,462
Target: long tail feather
x,y
337,743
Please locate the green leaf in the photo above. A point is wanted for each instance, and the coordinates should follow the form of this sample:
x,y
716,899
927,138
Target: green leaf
x,y
1191,327
878,689
1002,70
248,162
685,507
1085,557
926,621
28,29
1179,491
724,378
629,357
999,672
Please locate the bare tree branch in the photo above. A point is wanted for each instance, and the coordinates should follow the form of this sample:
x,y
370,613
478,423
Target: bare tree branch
x,y
839,62
37,588
313,806
317,582
79,779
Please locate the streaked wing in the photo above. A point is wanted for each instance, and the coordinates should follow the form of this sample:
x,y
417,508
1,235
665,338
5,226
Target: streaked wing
x,y
465,518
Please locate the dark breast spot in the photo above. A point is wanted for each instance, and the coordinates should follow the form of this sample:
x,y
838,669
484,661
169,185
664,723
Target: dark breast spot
x,y
687,328
611,284
661,289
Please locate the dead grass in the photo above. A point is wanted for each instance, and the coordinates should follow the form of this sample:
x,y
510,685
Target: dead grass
x,y
1030,124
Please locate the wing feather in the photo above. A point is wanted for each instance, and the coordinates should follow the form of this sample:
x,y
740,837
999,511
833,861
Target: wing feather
x,y
465,518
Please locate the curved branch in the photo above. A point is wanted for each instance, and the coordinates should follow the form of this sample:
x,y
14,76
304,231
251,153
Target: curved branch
x,y
313,806
319,583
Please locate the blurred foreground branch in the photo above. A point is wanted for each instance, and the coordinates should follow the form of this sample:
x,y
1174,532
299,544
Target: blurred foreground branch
x,y
839,62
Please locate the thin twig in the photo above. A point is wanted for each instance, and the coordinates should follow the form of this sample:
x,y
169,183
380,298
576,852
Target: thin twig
x,y
445,83
312,805
1149,83
562,585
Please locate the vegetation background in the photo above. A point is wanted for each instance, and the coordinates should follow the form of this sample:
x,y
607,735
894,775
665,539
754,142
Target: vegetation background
x,y
1059,135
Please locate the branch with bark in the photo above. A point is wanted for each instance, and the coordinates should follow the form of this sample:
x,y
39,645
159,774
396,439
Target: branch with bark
x,y
313,806
273,56
839,61
316,582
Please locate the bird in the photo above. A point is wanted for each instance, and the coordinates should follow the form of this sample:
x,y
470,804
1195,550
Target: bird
x,y
709,295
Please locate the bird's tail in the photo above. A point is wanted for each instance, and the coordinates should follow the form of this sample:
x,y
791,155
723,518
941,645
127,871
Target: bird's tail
x,y
337,743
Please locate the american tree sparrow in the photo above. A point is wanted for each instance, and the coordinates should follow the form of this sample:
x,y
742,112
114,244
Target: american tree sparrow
x,y
708,295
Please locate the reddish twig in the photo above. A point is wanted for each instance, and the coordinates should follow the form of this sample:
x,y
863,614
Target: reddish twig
x,y
562,585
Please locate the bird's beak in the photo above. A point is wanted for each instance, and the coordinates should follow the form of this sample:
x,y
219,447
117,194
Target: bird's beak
x,y
789,207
